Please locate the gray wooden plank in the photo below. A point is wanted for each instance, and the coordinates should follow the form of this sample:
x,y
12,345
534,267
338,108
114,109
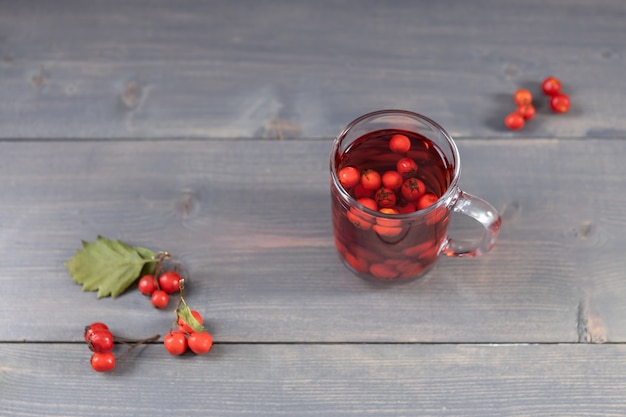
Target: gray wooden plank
x,y
251,221
116,69
313,380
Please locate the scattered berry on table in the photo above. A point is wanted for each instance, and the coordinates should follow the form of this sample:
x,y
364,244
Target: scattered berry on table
x,y
514,121
147,285
560,103
170,282
551,86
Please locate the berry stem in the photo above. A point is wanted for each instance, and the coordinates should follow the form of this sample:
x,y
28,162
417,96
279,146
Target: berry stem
x,y
133,343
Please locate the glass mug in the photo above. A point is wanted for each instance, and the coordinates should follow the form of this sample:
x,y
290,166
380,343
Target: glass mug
x,y
394,185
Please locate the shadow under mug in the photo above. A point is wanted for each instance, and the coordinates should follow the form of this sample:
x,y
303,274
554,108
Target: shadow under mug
x,y
399,245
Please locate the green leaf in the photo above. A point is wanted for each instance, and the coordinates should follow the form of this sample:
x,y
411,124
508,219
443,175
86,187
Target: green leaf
x,y
108,266
184,312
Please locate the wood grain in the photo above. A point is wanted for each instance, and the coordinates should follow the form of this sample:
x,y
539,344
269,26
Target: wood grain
x,y
251,221
283,69
314,380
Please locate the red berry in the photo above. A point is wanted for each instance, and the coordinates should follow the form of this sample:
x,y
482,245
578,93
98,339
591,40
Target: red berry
x,y
359,191
184,327
409,207
514,121
560,103
370,203
523,96
412,189
349,176
93,327
147,285
160,299
392,180
551,86
426,200
370,179
100,340
527,111
169,282
200,343
175,342
407,167
103,361
400,143
385,197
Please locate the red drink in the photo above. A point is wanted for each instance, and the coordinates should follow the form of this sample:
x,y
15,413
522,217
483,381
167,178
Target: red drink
x,y
391,231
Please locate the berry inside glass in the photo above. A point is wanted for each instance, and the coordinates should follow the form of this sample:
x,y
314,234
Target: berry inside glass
x,y
374,232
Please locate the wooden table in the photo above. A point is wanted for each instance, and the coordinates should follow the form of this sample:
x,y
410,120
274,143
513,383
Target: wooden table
x,y
204,128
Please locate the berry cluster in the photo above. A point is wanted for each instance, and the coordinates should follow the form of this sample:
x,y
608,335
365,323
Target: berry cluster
x,y
100,341
160,289
551,86
396,191
177,342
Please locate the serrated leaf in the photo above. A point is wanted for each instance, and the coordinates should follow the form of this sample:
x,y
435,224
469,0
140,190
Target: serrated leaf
x,y
184,313
108,266
150,267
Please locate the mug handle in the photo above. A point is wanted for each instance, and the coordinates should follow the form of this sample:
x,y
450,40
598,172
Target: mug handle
x,y
485,214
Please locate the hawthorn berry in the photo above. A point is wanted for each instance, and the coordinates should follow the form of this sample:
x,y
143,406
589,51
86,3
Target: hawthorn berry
x,y
169,282
392,180
514,121
560,103
93,327
349,176
551,86
385,197
359,191
523,97
175,343
406,167
103,361
426,200
184,327
527,111
100,340
200,343
400,143
370,179
147,285
412,189
160,299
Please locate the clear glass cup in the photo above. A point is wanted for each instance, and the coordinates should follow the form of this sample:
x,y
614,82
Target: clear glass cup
x,y
405,239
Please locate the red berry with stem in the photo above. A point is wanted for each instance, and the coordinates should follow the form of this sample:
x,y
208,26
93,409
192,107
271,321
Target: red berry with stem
x,y
412,189
523,96
169,282
349,176
160,299
93,327
147,285
175,343
100,340
406,167
400,143
184,327
200,343
551,86
370,179
392,180
560,103
103,361
514,121
385,197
